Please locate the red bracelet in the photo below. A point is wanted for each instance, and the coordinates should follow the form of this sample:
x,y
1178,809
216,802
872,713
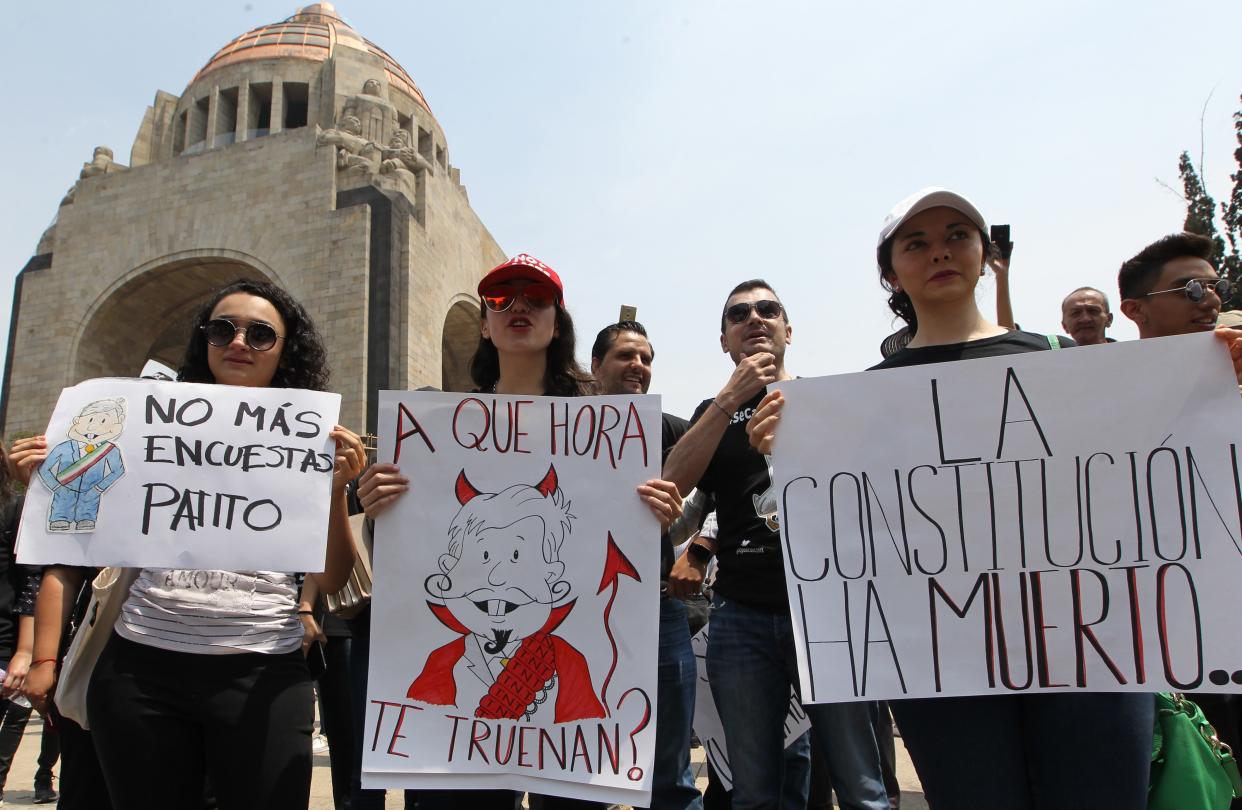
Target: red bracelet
x,y
43,661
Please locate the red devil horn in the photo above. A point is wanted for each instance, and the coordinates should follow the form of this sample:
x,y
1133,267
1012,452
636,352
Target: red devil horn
x,y
464,489
548,485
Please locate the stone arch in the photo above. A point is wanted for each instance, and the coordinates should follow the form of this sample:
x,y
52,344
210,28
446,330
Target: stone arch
x,y
459,340
147,313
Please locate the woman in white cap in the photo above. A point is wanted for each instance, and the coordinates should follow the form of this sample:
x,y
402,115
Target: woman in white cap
x,y
1002,752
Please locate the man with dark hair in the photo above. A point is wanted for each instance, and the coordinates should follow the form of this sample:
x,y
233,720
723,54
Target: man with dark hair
x,y
751,661
1085,315
1171,288
621,364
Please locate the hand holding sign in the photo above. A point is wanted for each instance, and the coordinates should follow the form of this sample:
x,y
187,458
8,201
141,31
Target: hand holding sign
x,y
1233,339
350,458
379,487
25,457
762,426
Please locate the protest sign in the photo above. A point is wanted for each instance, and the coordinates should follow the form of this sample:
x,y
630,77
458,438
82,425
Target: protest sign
x,y
707,725
516,596
1051,521
177,475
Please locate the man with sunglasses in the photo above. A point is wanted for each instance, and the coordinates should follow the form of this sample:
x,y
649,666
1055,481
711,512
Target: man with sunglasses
x,y
750,657
1171,288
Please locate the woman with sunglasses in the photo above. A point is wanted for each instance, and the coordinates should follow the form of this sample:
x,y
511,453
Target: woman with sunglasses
x,y
526,347
205,674
1002,752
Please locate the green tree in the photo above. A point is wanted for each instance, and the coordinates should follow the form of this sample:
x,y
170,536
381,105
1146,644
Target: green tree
x,y
1231,212
1201,214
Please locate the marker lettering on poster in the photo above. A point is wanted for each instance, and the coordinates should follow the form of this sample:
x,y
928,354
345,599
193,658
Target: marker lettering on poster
x,y
514,642
179,475
1048,556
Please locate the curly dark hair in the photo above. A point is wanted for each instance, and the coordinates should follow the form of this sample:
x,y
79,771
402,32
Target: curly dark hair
x,y
303,361
899,300
563,376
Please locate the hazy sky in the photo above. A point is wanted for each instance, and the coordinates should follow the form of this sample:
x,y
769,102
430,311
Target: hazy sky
x,y
656,153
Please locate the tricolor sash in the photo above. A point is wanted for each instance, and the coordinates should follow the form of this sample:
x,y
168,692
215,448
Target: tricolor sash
x,y
78,468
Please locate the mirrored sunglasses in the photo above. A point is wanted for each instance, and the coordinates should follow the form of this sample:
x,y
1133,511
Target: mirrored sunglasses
x,y
740,312
1196,288
502,296
259,336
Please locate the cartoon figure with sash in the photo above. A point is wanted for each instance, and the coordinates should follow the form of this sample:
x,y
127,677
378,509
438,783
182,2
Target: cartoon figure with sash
x,y
501,588
80,469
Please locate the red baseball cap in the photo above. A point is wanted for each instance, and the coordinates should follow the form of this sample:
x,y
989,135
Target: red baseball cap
x,y
522,266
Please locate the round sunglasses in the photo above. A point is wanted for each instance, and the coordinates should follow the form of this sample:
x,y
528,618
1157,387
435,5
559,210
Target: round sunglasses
x,y
1196,288
259,336
768,309
537,296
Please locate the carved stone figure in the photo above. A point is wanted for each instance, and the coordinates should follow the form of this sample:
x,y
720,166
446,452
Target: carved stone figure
x,y
375,113
400,157
101,163
353,150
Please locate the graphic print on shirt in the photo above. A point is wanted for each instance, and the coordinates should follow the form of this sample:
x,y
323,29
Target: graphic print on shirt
x,y
80,469
501,587
765,502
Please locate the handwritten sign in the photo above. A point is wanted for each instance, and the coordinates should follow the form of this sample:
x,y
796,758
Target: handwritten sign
x,y
1051,521
707,723
516,597
177,475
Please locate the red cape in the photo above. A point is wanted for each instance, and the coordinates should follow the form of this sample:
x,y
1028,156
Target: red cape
x,y
575,696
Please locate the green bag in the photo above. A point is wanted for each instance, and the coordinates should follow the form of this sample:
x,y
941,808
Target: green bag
x,y
1191,769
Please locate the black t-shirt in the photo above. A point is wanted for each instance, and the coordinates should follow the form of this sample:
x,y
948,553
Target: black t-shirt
x,y
749,563
998,346
672,429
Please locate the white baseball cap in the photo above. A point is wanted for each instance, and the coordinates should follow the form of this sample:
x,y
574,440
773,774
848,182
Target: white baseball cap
x,y
920,201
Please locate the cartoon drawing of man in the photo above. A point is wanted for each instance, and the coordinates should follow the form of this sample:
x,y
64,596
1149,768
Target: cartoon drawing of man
x,y
500,587
80,469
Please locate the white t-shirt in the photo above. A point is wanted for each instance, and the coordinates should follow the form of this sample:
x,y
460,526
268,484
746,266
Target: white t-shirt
x,y
213,612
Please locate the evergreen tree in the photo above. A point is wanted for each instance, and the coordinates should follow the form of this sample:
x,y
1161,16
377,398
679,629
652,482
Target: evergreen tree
x,y
1231,214
1200,208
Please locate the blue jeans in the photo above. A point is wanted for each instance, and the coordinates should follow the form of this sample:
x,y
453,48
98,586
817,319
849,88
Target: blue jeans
x,y
1071,751
752,665
672,780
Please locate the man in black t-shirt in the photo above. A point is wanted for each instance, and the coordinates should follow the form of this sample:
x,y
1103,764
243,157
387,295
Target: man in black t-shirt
x,y
750,656
621,363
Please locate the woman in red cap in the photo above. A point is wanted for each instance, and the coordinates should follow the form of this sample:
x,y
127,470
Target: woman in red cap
x,y
1002,752
526,347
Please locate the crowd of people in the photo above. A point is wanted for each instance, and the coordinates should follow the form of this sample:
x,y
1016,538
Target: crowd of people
x,y
203,696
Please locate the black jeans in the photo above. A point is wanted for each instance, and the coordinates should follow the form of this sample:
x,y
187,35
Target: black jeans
x,y
336,715
161,720
82,784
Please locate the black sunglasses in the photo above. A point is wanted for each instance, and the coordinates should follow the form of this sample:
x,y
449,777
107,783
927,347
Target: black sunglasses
x,y
768,309
260,336
1196,288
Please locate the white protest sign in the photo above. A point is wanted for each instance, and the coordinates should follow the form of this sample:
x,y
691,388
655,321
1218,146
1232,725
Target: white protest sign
x,y
1049,521
177,475
707,725
516,596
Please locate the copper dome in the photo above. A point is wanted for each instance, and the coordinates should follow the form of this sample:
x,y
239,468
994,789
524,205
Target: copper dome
x,y
312,33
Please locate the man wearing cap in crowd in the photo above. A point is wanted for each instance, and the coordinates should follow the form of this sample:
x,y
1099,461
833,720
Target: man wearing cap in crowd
x,y
750,656
1085,315
621,361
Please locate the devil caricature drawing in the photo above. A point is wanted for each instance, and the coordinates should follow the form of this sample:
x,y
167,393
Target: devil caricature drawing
x,y
501,588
